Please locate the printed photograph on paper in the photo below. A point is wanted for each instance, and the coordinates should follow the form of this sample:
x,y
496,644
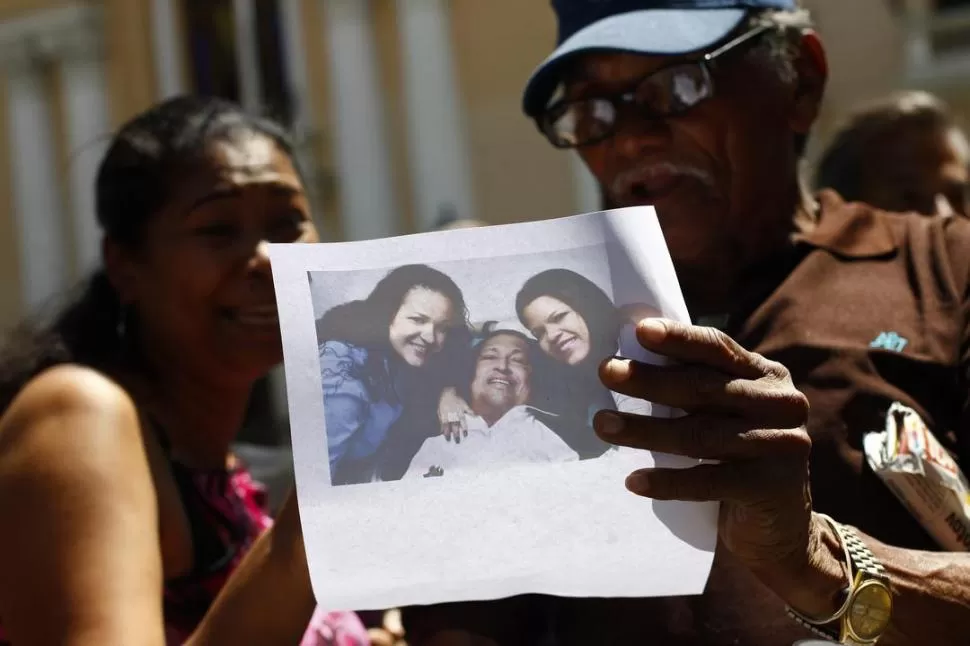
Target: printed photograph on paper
x,y
441,390
434,369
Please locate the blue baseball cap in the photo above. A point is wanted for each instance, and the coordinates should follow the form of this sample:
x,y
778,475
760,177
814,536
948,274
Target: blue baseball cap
x,y
660,27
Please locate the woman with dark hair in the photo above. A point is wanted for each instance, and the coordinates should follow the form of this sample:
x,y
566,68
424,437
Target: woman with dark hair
x,y
125,512
577,327
380,356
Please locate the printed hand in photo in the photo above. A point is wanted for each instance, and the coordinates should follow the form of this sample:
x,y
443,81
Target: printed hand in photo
x,y
452,412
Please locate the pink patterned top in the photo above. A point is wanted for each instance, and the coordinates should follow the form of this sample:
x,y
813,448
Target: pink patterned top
x,y
227,512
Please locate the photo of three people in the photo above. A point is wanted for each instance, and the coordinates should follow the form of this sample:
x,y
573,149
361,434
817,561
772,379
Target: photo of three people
x,y
419,383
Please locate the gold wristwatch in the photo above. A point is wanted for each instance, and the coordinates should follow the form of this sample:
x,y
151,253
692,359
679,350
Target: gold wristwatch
x,y
867,610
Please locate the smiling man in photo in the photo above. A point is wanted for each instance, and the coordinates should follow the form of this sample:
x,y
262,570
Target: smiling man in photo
x,y
504,429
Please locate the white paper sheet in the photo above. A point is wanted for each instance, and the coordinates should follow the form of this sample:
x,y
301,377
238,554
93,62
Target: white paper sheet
x,y
567,527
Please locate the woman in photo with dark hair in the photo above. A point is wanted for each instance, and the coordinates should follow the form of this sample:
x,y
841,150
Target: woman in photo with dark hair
x,y
127,518
577,327
381,357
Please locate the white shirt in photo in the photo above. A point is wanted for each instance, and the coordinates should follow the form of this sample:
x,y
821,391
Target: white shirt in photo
x,y
514,439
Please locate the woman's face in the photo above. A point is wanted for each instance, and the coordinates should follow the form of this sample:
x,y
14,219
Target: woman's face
x,y
561,331
201,282
419,327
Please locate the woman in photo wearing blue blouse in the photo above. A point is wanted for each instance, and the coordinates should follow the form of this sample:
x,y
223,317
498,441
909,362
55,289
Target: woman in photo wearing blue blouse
x,y
380,357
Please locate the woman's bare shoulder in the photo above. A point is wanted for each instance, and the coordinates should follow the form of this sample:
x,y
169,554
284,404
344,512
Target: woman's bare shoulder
x,y
78,404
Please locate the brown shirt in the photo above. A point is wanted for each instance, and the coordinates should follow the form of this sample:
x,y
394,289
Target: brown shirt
x,y
869,308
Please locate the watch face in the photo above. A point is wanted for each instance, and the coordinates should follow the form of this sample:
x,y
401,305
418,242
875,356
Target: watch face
x,y
869,614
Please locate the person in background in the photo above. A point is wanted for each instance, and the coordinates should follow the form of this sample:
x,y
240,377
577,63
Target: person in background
x,y
904,152
127,519
702,109
381,356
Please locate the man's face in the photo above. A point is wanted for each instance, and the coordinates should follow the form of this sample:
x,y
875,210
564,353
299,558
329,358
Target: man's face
x,y
919,169
501,379
722,175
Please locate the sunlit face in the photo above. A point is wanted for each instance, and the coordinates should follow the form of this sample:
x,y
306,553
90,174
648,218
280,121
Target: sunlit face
x,y
201,283
721,175
502,374
562,333
420,326
919,169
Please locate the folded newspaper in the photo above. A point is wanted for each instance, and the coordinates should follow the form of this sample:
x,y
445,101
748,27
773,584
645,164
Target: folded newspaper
x,y
922,474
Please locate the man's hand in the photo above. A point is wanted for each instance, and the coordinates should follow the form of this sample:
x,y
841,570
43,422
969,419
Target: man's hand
x,y
743,412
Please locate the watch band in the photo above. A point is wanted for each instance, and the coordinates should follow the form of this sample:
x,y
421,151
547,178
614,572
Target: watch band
x,y
818,631
861,556
865,565
817,625
869,572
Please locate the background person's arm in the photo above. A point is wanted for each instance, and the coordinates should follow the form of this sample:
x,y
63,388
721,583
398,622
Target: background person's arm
x,y
79,554
80,548
268,599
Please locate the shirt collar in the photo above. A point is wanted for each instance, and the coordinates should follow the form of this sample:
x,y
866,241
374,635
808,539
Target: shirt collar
x,y
849,230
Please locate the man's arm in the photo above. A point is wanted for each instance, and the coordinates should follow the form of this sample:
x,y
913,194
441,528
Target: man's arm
x,y
744,412
931,590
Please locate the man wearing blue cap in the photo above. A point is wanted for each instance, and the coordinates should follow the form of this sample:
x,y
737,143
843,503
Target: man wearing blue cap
x,y
702,108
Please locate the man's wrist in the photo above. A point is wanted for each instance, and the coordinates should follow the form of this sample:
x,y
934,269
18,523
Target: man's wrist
x,y
815,584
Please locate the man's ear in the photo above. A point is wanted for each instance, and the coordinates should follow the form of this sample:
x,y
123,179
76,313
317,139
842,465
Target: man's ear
x,y
812,72
120,268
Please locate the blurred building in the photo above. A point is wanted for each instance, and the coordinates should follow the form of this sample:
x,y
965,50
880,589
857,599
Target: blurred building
x,y
403,110
877,46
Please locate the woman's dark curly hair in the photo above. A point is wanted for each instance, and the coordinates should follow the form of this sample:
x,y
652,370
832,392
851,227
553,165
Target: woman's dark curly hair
x,y
365,323
583,296
137,177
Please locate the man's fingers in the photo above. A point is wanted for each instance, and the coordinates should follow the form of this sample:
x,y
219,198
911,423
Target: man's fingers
x,y
699,345
730,481
696,388
699,436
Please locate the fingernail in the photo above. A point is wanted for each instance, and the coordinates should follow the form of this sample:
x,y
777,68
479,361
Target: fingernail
x,y
609,423
638,482
616,369
653,330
